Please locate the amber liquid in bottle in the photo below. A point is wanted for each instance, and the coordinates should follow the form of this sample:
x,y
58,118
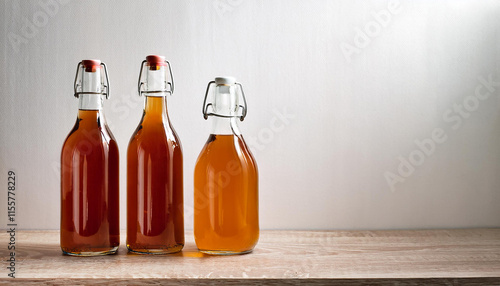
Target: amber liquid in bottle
x,y
155,223
90,185
226,219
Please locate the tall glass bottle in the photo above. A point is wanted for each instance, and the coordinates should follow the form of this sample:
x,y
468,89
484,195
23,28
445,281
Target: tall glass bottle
x,y
226,219
89,171
155,215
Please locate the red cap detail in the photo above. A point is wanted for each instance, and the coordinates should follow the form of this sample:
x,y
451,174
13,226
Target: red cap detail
x,y
155,61
91,65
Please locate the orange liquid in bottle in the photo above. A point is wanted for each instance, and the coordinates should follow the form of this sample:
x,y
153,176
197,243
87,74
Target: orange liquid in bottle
x,y
226,197
155,222
89,188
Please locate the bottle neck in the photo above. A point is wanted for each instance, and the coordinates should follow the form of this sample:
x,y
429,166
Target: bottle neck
x,y
90,119
225,103
90,115
155,109
156,82
90,101
225,126
89,89
91,96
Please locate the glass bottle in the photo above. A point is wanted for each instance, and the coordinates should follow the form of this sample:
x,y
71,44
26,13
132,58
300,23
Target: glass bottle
x,y
89,171
155,214
226,218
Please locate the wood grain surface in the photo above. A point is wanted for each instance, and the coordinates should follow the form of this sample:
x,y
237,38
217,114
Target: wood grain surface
x,y
410,257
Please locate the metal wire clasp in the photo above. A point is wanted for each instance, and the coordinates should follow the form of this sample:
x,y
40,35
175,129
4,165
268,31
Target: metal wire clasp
x,y
104,87
206,106
167,83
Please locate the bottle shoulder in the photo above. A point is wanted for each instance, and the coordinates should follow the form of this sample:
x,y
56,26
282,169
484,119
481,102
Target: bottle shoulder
x,y
106,131
155,131
246,149
155,141
98,135
221,149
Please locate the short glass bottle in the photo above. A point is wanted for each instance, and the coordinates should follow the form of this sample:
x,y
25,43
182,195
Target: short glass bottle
x,y
89,171
155,213
226,210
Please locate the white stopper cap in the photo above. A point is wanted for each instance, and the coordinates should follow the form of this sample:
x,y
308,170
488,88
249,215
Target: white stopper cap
x,y
228,80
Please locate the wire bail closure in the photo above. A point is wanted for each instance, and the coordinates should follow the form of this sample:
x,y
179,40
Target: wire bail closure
x,y
105,87
206,106
167,83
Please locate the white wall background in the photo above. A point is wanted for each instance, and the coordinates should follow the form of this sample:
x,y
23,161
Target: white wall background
x,y
354,115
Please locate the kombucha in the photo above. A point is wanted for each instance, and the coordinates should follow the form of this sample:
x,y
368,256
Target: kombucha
x,y
89,177
155,222
226,209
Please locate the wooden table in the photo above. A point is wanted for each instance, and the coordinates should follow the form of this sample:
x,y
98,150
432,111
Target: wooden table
x,y
280,258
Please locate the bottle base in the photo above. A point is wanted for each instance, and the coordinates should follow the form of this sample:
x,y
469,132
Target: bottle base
x,y
111,251
153,251
224,252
